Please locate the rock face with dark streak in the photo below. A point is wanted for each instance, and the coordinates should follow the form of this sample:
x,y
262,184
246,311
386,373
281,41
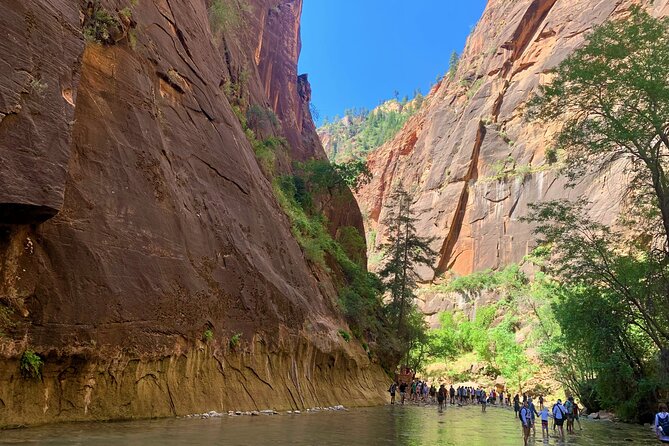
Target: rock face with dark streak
x,y
135,217
470,156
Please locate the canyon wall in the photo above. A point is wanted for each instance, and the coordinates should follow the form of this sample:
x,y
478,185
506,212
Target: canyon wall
x,y
470,156
143,255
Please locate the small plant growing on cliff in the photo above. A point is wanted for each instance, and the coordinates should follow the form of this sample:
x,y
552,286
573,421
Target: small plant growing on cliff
x,y
31,364
235,340
37,86
99,25
345,335
102,27
225,15
208,335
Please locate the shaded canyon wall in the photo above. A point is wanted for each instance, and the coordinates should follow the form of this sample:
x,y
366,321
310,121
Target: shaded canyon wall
x,y
134,218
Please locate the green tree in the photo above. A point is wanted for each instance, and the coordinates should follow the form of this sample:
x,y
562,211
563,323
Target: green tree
x,y
612,98
453,64
404,251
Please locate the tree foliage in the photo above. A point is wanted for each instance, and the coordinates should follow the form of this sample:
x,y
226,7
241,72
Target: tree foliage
x,y
612,97
404,251
609,334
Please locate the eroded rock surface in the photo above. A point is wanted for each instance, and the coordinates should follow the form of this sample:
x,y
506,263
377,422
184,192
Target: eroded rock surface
x,y
160,225
470,156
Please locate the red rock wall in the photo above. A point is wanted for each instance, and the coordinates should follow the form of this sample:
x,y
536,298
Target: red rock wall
x,y
450,154
134,217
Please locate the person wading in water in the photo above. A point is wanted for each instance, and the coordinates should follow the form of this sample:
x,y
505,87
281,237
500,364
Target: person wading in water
x,y
391,390
526,421
403,392
441,397
559,414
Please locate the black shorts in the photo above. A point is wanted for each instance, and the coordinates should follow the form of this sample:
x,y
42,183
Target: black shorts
x,y
559,421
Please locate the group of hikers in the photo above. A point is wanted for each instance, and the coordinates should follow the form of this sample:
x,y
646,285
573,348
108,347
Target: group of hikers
x,y
563,414
527,412
420,391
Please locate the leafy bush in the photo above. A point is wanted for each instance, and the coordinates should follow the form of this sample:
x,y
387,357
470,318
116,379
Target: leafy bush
x,y
226,15
235,340
31,364
256,115
99,26
266,151
344,334
208,335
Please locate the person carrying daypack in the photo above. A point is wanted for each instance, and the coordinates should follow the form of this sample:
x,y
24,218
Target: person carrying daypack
x,y
441,396
559,414
392,389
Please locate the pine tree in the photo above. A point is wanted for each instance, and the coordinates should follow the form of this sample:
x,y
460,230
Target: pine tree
x,y
453,64
404,252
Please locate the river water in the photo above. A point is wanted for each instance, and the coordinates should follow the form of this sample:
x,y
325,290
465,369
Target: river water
x,y
390,425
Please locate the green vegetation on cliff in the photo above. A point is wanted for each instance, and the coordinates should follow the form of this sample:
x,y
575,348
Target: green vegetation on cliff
x,y
361,131
301,196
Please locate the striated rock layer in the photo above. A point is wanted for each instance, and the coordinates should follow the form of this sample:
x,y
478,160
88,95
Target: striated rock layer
x,y
135,218
471,158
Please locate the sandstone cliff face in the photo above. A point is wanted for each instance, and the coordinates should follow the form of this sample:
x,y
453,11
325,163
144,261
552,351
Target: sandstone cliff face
x,y
134,217
470,156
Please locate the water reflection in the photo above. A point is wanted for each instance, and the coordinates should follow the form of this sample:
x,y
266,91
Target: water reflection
x,y
391,425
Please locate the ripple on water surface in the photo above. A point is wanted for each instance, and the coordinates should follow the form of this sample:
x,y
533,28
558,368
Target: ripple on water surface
x,y
390,425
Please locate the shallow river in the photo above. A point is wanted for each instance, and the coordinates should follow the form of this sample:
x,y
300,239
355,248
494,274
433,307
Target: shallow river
x,y
391,425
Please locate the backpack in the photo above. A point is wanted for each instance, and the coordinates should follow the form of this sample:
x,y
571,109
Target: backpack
x,y
562,412
663,423
520,414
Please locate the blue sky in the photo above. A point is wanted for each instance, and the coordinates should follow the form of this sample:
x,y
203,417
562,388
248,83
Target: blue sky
x,y
358,52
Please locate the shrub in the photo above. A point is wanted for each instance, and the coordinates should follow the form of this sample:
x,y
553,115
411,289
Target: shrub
x,y
235,340
31,364
225,15
100,26
208,335
344,334
257,115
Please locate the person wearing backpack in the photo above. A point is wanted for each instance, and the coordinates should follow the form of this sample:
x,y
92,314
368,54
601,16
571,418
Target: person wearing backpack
x,y
403,392
533,413
662,424
569,405
391,390
559,413
441,396
526,421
